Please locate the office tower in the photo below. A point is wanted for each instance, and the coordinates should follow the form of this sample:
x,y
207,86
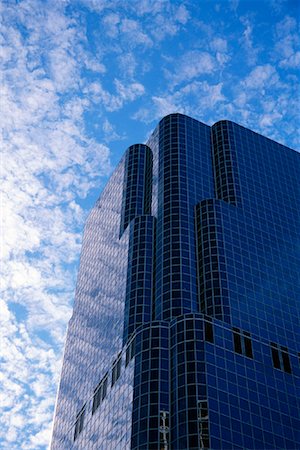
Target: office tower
x,y
185,331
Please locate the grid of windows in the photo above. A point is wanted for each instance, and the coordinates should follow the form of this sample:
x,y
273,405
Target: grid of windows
x,y
222,260
245,390
262,261
95,330
183,145
191,329
188,380
140,274
151,384
211,263
225,163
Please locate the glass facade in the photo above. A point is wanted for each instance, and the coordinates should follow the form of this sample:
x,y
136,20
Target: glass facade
x,y
185,332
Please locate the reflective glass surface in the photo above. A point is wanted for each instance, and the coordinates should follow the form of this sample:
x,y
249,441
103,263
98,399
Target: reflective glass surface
x,y
185,332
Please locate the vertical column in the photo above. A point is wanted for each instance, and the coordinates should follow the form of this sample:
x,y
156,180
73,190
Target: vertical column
x,y
212,275
140,274
227,183
137,190
176,291
189,405
151,388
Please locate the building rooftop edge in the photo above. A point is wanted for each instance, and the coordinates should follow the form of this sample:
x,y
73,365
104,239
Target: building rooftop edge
x,y
227,121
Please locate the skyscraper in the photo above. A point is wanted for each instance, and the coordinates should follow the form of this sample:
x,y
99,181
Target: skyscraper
x,y
185,331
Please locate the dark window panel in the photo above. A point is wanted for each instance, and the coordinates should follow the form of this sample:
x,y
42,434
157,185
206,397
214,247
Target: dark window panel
x,y
79,423
286,362
275,357
237,343
104,387
248,347
208,330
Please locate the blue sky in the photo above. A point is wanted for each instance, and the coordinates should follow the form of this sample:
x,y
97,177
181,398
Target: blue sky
x,y
81,81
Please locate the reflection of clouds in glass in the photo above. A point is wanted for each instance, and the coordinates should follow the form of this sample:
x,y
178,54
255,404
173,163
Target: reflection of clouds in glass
x,y
113,423
110,426
153,144
96,327
95,330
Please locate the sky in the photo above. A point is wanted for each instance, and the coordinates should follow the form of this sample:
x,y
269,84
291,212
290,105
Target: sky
x,y
81,80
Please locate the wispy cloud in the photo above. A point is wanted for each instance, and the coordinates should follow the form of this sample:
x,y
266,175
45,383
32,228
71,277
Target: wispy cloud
x,y
194,97
190,65
247,41
260,77
288,43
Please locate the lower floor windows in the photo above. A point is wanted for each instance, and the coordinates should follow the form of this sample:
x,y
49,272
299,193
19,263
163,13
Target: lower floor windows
x,y
116,369
130,352
208,332
242,342
280,357
100,393
79,422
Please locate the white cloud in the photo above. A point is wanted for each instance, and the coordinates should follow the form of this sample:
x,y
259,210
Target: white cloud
x,y
160,20
169,22
234,4
192,64
293,61
246,40
191,99
261,76
113,102
182,15
166,105
129,92
219,44
133,32
64,70
207,94
111,22
144,7
128,64
286,26
41,439
110,133
128,29
287,43
266,104
24,365
267,120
